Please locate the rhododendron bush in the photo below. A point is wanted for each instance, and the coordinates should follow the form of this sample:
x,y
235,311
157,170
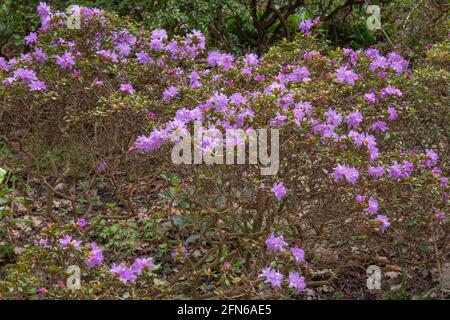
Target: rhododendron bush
x,y
91,116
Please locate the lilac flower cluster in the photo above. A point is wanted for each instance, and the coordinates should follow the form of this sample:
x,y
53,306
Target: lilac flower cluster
x,y
68,243
95,256
131,273
279,190
274,277
345,172
274,243
306,25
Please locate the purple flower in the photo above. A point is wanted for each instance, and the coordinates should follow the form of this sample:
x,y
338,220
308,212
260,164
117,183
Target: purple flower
x,y
237,99
298,254
372,206
275,243
31,38
37,86
143,58
306,25
215,58
379,126
169,93
40,55
279,190
333,117
296,282
251,59
272,276
41,241
392,113
43,9
383,222
108,55
346,76
65,61
195,80
81,223
67,242
379,62
8,81
98,82
372,53
360,198
125,274
397,62
159,34
260,78
395,171
141,263
344,171
299,74
123,49
95,257
432,158
375,172
436,171
371,98
407,168
127,88
4,64
354,119
443,182
389,91
279,120
149,143
26,75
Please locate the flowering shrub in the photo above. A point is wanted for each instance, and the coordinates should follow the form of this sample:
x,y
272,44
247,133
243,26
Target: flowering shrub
x,y
106,103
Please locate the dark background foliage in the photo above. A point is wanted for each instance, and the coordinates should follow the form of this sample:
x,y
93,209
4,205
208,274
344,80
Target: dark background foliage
x,y
251,25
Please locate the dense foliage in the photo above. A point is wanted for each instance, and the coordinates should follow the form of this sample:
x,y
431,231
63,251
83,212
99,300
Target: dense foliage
x,y
90,116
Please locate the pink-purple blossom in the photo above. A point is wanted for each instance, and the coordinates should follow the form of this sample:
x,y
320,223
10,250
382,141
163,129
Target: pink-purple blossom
x,y
68,242
95,256
298,253
279,190
375,172
66,60
140,264
31,38
344,171
82,223
127,88
372,206
274,243
123,272
392,113
143,58
169,93
354,119
344,75
296,282
273,277
379,126
383,222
